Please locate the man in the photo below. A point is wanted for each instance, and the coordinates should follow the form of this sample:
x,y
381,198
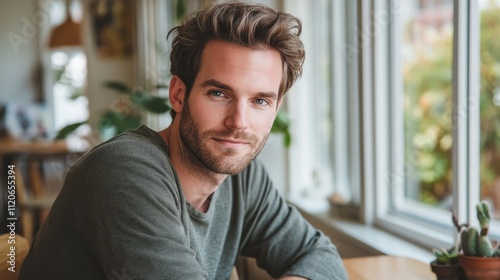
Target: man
x,y
185,202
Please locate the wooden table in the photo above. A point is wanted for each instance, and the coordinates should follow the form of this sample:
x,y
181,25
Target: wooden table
x,y
9,146
388,268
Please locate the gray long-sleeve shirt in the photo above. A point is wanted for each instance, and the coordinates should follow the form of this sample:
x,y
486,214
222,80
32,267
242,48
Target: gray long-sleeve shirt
x,y
121,215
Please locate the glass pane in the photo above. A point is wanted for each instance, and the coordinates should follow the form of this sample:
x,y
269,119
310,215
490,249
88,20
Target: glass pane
x,y
490,102
427,43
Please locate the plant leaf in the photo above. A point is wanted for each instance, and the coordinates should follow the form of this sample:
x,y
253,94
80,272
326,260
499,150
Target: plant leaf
x,y
160,86
65,131
281,125
121,87
151,103
121,122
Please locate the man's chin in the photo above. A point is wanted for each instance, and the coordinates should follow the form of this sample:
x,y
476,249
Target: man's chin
x,y
232,167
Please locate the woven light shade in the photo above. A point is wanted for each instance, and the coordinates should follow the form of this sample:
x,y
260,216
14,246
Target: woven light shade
x,y
67,34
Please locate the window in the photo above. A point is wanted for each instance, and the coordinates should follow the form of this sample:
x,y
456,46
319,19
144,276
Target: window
x,y
441,117
69,71
411,132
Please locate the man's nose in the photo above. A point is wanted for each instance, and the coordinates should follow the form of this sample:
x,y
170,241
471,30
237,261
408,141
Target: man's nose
x,y
237,116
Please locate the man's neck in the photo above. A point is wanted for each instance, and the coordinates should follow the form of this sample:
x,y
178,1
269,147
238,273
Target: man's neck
x,y
197,185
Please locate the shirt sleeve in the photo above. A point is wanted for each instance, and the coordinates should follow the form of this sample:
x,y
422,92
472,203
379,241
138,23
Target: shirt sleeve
x,y
129,212
281,240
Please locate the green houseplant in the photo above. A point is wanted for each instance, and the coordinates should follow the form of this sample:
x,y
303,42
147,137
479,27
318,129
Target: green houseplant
x,y
481,256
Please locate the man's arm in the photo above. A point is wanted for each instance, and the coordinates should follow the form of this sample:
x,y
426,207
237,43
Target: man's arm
x,y
280,239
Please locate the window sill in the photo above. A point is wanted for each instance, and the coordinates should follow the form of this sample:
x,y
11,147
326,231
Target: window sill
x,y
354,239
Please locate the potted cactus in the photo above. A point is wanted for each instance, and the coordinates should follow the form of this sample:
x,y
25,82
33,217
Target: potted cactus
x,y
446,266
481,256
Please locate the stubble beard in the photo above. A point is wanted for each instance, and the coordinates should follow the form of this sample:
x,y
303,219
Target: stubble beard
x,y
197,155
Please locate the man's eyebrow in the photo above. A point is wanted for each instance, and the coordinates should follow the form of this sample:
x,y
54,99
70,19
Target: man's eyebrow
x,y
215,83
271,94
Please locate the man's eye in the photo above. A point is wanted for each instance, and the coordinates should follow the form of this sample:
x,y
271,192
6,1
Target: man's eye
x,y
216,93
261,102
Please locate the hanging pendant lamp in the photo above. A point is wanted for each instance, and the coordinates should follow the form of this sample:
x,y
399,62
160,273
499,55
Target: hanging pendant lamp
x,y
67,34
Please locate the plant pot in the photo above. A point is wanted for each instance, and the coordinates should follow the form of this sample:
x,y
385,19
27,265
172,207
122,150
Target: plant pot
x,y
448,271
476,268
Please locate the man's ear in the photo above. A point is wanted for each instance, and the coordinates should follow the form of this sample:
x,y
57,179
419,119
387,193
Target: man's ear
x,y
177,93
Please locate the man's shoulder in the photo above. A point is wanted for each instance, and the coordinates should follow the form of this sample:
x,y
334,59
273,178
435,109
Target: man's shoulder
x,y
128,163
128,156
130,144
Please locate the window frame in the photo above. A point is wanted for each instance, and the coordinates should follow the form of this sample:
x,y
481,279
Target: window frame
x,y
407,221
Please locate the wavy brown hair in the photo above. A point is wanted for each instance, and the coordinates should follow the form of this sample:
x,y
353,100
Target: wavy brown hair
x,y
249,25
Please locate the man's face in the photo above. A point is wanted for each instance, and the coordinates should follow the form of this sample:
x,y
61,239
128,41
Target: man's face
x,y
231,107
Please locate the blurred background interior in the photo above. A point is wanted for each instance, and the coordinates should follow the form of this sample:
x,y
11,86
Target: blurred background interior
x,y
394,124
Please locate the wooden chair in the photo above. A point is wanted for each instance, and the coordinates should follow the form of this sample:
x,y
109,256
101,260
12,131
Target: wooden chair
x,y
247,269
234,275
21,245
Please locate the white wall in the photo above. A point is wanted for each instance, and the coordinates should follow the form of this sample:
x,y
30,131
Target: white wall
x,y
19,59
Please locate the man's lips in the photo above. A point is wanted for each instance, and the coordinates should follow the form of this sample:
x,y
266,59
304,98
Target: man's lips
x,y
231,142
